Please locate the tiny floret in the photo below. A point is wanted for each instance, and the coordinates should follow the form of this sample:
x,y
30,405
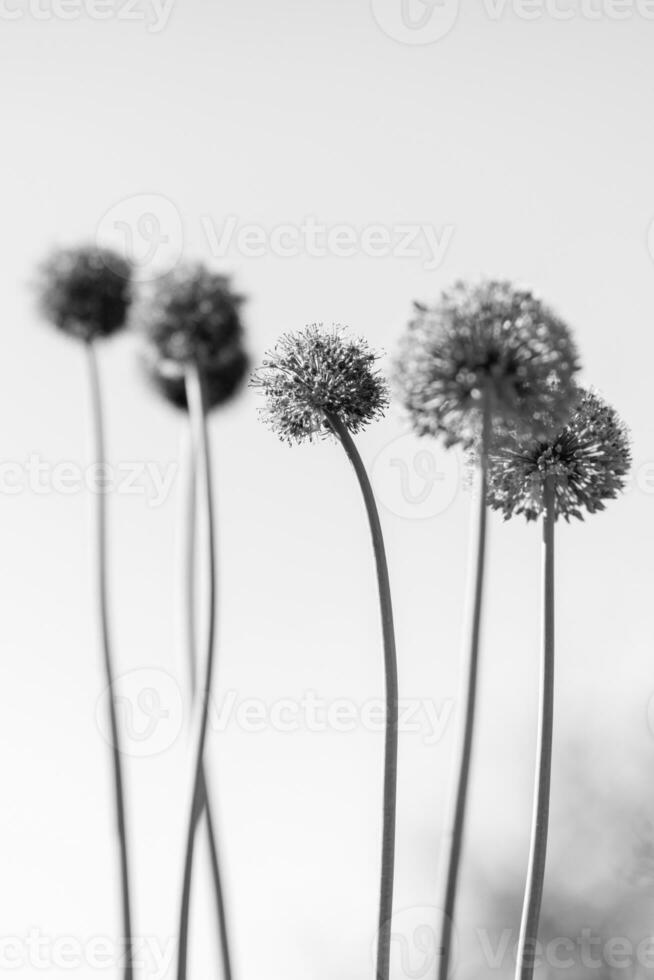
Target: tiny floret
x,y
316,373
85,291
588,460
191,315
491,341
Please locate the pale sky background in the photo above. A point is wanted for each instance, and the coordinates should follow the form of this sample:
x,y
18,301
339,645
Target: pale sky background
x,y
528,145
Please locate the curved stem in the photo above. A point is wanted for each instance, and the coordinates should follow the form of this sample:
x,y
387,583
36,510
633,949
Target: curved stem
x,y
97,416
197,410
454,839
189,557
205,805
390,669
540,819
217,882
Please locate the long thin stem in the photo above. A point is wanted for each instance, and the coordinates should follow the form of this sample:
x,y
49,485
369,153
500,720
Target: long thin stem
x,y
390,670
97,416
540,819
197,410
190,613
453,840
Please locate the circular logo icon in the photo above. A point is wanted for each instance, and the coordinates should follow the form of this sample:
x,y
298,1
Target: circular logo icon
x,y
416,21
416,478
415,943
149,712
147,230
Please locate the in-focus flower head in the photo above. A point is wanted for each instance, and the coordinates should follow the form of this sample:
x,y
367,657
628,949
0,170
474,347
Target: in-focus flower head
x,y
491,339
315,372
220,383
588,459
191,315
85,291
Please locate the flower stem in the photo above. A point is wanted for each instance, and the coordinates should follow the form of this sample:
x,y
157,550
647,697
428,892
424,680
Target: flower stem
x,y
97,416
453,840
198,415
205,805
391,737
540,820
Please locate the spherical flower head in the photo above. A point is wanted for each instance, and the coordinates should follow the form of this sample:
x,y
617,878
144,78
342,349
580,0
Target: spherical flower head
x,y
488,341
85,291
219,384
316,373
189,316
587,459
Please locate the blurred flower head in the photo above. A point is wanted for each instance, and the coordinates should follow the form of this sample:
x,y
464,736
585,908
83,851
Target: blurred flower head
x,y
588,460
85,291
491,340
315,373
219,384
189,316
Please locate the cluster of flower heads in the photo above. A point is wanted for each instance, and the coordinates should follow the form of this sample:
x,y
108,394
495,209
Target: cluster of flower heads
x,y
586,460
316,373
189,316
85,291
486,341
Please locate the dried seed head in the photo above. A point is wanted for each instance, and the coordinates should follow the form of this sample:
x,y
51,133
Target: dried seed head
x,y
588,460
317,372
85,291
493,340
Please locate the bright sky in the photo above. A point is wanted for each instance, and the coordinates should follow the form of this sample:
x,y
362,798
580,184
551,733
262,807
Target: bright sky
x,y
236,133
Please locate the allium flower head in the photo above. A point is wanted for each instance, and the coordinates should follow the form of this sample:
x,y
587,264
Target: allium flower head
x,y
319,372
588,460
191,315
220,383
85,291
489,340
